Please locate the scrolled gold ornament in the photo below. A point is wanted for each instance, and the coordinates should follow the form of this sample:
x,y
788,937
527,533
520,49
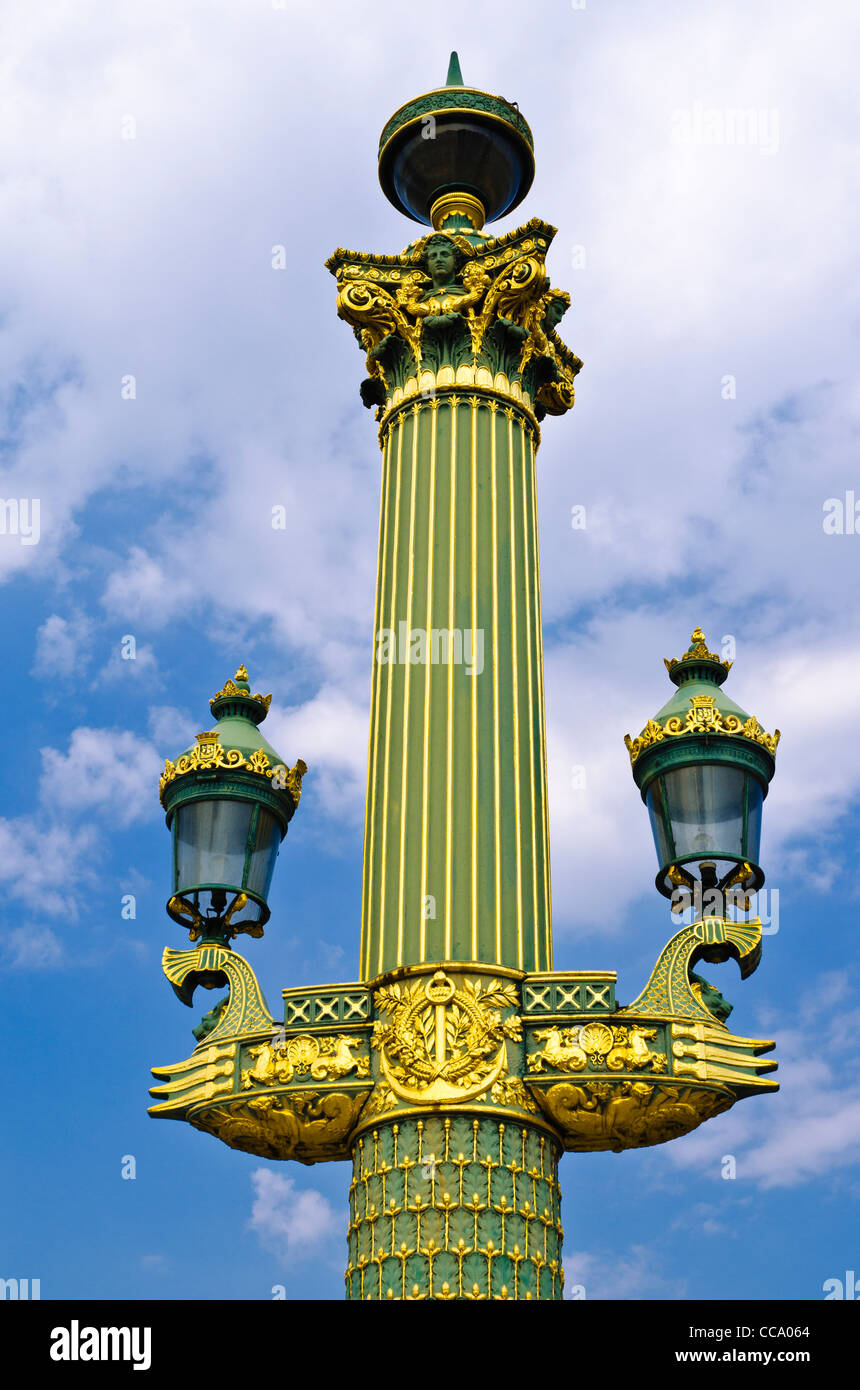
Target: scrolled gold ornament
x,y
209,754
702,717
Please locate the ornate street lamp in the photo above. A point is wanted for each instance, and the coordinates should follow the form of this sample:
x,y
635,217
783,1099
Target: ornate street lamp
x,y
459,1066
228,801
703,766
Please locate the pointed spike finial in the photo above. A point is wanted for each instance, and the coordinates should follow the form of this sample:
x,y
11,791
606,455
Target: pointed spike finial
x,y
455,77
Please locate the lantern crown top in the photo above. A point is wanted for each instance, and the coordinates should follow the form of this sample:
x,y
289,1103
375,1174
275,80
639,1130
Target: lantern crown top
x,y
456,153
236,699
235,755
698,707
697,663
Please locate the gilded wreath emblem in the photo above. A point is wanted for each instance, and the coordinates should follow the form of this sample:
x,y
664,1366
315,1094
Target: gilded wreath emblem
x,y
441,1042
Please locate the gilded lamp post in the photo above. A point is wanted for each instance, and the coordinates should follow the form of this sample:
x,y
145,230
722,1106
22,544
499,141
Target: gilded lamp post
x,y
459,1067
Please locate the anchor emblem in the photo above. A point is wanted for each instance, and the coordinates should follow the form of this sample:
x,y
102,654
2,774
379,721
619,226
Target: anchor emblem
x,y
442,1043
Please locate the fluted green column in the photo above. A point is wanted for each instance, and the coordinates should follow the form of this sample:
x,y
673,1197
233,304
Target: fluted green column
x,y
455,1183
456,849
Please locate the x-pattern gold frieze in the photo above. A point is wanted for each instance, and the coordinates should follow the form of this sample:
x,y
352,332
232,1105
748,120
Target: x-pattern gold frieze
x,y
561,993
347,1005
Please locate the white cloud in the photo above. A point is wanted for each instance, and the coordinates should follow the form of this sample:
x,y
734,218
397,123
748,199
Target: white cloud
x,y
330,953
635,1273
52,856
810,1128
32,948
62,646
143,665
330,733
830,989
45,864
171,729
704,1219
142,589
109,770
294,1223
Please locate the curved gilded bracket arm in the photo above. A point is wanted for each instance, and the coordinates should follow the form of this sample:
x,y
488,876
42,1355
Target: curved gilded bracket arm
x,y
617,1078
213,967
671,991
280,1090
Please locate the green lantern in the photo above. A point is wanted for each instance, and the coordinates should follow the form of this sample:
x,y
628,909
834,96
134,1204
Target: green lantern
x,y
703,766
457,156
228,801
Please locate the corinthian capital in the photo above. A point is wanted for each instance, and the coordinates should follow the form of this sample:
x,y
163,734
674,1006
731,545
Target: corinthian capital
x,y
459,308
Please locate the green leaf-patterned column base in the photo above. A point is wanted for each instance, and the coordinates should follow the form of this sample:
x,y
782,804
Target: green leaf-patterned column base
x,y
454,1206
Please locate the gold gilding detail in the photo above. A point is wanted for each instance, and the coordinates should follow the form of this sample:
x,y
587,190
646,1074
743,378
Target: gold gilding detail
x,y
702,718
458,205
698,651
197,922
491,393
510,1090
207,1074
209,754
711,1053
312,1126
278,1061
618,1049
444,1207
230,688
442,1042
512,288
669,990
599,1115
343,262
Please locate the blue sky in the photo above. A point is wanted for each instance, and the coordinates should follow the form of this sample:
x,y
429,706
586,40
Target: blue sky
x,y
690,262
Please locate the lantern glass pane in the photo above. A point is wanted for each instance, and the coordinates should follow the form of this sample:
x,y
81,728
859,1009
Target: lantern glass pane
x,y
656,803
212,838
755,794
705,803
265,852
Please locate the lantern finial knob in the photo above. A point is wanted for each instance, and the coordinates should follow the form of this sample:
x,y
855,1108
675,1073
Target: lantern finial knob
x,y
236,697
696,652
